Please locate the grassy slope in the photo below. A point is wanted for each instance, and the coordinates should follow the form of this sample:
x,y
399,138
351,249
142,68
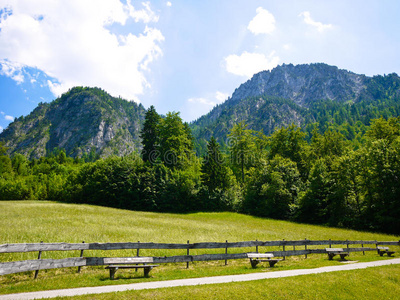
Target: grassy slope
x,y
33,221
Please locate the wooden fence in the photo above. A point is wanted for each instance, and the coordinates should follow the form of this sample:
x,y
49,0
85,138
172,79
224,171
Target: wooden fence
x,y
41,264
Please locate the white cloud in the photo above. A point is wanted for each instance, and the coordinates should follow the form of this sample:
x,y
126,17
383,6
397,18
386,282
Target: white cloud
x,y
145,15
70,42
169,4
318,25
1,129
196,107
7,117
247,64
262,23
287,46
219,97
12,70
202,101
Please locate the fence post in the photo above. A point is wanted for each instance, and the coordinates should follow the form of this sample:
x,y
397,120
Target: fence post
x,y
39,257
187,263
284,257
305,247
347,241
79,268
226,252
362,246
137,254
330,243
256,247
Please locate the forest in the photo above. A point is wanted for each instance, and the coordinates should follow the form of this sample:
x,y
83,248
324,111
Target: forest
x,y
312,175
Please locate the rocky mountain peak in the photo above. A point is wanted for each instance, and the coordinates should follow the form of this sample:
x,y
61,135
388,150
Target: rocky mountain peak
x,y
80,121
303,84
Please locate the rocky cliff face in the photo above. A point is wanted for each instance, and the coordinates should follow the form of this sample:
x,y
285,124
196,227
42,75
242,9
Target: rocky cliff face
x,y
80,121
304,84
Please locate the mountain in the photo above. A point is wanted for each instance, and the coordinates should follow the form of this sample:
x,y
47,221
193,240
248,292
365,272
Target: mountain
x,y
300,94
81,121
89,122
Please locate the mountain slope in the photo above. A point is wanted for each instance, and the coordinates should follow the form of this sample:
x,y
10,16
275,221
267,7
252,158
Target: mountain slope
x,y
80,121
88,120
299,94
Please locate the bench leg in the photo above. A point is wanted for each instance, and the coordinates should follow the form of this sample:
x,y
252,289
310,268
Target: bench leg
x,y
254,263
381,253
112,272
342,256
330,256
147,271
272,263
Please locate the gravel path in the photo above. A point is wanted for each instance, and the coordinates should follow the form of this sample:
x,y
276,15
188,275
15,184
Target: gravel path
x,y
194,281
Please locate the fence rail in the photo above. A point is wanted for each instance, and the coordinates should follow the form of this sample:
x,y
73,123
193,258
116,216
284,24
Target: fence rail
x,y
33,247
42,264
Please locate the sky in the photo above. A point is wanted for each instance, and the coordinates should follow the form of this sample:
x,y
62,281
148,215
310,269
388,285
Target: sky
x,y
181,55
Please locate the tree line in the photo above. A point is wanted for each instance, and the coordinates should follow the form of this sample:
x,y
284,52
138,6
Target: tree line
x,y
324,178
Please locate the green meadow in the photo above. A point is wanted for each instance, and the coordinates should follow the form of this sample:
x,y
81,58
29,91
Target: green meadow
x,y
36,221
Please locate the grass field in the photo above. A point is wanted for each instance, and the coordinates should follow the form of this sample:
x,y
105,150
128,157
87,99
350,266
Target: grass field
x,y
373,283
35,221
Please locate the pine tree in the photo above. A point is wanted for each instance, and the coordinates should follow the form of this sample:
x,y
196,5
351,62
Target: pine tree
x,y
149,135
213,172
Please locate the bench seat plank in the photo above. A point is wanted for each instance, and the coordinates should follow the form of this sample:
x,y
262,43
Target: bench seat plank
x,y
260,255
128,260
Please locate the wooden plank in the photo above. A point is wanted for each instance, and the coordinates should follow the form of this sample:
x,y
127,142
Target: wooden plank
x,y
260,255
383,248
389,243
40,264
131,267
173,259
334,249
127,260
203,257
12,248
362,249
31,247
297,252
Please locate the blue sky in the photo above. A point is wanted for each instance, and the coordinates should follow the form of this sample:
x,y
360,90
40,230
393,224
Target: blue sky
x,y
181,55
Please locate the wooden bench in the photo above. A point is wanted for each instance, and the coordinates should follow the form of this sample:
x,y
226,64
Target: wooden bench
x,y
256,258
336,251
146,268
115,263
384,250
